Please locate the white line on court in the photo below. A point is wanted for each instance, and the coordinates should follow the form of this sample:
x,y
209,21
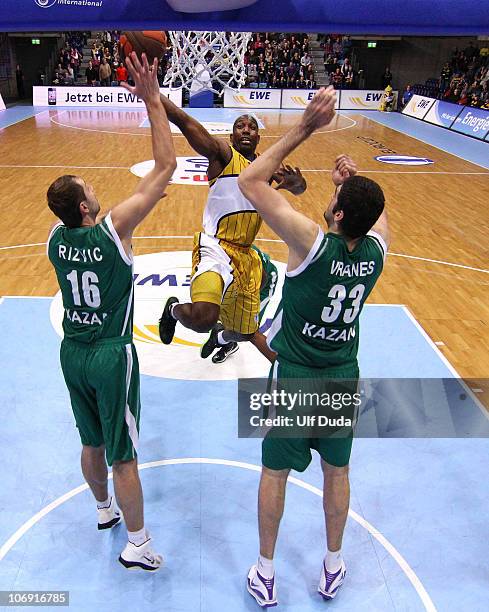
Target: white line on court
x,y
396,555
27,297
435,261
148,135
408,172
438,261
327,170
66,166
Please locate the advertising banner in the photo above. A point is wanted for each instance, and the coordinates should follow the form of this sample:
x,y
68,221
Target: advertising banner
x,y
362,99
443,113
418,106
252,98
472,121
300,98
94,96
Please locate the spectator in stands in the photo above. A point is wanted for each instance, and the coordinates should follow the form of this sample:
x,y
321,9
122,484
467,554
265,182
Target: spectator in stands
x,y
104,73
91,74
328,63
252,72
406,96
337,79
337,48
69,76
262,75
75,59
386,78
291,74
121,74
282,78
346,67
59,75
306,60
348,79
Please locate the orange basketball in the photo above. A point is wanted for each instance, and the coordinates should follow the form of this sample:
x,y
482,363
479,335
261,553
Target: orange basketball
x,y
149,42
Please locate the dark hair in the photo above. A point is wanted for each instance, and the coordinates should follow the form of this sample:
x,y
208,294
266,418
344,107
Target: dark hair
x,y
249,117
362,202
64,198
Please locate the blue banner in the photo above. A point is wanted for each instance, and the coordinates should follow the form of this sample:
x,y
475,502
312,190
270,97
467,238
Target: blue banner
x,y
443,113
433,17
473,121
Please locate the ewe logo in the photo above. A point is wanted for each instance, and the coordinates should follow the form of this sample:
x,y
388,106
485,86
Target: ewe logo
x,y
157,276
45,3
404,160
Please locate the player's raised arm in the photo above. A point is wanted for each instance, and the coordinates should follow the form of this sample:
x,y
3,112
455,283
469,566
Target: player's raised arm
x,y
345,167
127,215
197,136
297,230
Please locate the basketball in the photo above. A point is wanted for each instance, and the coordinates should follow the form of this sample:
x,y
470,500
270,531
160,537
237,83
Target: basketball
x,y
153,43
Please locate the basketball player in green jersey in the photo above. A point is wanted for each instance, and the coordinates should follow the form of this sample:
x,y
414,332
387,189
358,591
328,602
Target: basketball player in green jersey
x,y
315,331
93,261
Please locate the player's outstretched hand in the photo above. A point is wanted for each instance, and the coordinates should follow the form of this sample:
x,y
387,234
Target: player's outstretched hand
x,y
320,110
290,179
144,76
344,168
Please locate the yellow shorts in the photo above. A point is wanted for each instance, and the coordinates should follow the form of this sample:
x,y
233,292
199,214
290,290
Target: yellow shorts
x,y
230,276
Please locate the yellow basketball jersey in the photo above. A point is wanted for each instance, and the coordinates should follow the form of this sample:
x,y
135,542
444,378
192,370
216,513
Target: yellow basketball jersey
x,y
228,215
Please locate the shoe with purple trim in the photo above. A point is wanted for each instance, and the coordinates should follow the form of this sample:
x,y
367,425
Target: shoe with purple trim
x,y
329,583
262,589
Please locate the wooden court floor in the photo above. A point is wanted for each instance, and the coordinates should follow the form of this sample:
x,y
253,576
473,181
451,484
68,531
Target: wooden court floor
x,y
437,212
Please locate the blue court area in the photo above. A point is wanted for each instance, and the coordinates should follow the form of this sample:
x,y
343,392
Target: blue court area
x,y
416,538
461,146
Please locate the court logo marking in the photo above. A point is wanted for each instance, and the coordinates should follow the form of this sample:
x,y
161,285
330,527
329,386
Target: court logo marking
x,y
404,160
157,276
189,171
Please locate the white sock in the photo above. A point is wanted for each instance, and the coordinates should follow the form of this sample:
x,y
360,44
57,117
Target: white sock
x,y
333,561
104,504
220,338
171,310
137,537
265,567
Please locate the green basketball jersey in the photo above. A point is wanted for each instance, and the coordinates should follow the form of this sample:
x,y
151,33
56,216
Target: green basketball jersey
x,y
271,274
95,276
316,324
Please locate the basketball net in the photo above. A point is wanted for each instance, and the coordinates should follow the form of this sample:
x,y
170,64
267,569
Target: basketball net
x,y
207,60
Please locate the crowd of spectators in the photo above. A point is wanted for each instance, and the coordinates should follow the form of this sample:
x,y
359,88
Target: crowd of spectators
x,y
337,61
465,77
105,66
279,61
70,57
463,80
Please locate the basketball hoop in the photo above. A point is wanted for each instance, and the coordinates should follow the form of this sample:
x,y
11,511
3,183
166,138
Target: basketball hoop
x,y
207,60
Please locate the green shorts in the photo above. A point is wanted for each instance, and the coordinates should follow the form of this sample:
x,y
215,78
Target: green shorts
x,y
103,382
280,453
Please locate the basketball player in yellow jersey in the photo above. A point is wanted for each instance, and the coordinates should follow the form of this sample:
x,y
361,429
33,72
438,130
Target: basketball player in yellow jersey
x,y
226,272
